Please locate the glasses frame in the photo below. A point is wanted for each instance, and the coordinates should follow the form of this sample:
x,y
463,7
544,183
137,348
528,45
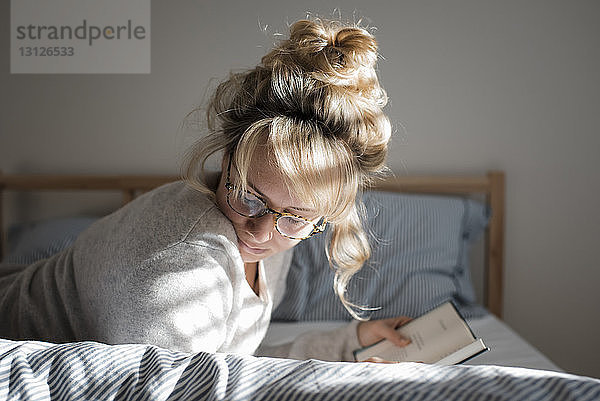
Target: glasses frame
x,y
317,228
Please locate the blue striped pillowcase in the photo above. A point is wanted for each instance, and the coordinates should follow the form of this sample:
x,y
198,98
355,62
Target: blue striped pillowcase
x,y
420,259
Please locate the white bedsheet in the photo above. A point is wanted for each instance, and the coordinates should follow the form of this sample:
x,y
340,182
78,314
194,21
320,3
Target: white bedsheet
x,y
507,348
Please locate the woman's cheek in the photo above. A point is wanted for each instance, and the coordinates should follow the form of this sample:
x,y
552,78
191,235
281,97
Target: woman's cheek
x,y
286,243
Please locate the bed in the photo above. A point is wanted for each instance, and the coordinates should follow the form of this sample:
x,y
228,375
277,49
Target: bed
x,y
424,231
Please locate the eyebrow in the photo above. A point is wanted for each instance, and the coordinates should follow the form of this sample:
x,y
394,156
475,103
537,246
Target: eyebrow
x,y
300,209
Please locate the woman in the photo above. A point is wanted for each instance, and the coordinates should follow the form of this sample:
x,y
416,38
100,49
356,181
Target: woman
x,y
198,265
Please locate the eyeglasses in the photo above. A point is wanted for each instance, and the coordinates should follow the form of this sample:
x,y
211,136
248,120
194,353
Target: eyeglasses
x,y
287,224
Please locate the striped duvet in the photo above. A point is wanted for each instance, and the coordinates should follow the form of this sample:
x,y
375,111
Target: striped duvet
x,y
94,371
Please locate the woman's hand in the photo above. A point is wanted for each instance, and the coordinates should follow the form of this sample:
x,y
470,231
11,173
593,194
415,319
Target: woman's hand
x,y
375,330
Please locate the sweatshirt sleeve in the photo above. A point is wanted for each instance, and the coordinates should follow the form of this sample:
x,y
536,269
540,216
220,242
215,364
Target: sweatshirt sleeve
x,y
333,345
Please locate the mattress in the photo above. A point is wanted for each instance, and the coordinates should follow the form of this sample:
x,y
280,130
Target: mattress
x,y
507,348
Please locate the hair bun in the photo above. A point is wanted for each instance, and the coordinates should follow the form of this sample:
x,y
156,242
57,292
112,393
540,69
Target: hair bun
x,y
330,52
356,45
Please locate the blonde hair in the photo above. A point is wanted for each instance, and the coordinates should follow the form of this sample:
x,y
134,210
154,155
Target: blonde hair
x,y
316,103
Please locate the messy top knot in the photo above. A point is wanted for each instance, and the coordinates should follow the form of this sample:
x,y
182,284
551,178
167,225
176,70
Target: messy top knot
x,y
330,52
315,103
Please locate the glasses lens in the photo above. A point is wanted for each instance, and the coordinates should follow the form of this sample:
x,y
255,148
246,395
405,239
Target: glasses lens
x,y
246,204
294,227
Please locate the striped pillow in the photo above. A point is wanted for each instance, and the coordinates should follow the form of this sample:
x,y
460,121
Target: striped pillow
x,y
420,259
31,242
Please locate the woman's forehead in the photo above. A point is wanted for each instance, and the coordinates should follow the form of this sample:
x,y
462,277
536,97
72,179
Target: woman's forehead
x,y
269,182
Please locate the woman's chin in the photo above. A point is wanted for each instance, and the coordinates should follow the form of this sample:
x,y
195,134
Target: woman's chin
x,y
251,255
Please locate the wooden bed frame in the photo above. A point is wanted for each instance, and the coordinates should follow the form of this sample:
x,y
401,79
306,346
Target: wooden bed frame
x,y
491,186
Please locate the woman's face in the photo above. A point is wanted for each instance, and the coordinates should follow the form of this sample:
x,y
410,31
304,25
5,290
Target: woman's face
x,y
257,237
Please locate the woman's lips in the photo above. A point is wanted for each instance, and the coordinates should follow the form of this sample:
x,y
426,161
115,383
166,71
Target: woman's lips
x,y
247,248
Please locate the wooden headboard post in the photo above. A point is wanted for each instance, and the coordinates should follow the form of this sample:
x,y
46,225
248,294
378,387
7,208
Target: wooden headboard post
x,y
494,281
1,216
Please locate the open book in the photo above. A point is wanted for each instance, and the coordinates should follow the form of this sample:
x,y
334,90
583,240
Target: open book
x,y
440,336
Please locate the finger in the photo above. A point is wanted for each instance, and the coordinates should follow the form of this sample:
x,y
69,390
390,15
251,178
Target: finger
x,y
375,359
390,333
398,322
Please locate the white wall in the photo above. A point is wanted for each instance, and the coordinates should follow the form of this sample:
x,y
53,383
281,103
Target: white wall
x,y
511,85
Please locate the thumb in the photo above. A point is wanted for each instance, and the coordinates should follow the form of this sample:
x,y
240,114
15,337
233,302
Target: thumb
x,y
376,359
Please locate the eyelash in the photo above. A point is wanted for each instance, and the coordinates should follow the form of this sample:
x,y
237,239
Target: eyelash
x,y
284,210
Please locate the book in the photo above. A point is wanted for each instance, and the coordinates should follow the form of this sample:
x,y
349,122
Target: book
x,y
441,336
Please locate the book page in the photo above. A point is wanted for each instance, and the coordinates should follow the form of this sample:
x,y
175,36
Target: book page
x,y
433,336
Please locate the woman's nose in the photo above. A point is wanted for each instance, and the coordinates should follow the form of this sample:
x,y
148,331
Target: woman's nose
x,y
261,228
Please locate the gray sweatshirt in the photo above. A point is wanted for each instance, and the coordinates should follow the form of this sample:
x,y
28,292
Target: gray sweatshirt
x,y
163,270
